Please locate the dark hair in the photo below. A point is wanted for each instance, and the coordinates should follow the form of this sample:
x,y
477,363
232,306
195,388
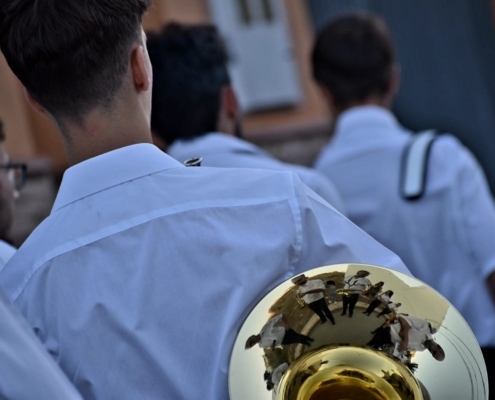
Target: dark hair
x,y
391,293
330,283
2,132
71,55
189,71
353,58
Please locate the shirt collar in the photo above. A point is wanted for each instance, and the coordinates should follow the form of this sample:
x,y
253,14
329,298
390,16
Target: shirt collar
x,y
365,117
212,143
111,169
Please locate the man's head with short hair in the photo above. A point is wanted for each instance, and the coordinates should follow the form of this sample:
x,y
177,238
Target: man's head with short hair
x,y
252,341
435,349
190,78
353,60
299,280
362,274
72,56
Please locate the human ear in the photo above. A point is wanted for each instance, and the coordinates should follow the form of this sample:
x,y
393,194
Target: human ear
x,y
140,74
229,102
34,104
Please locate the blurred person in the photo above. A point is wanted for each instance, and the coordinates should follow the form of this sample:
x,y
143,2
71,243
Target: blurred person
x,y
446,236
382,299
105,280
11,180
275,378
195,110
374,290
332,291
354,285
408,334
391,308
26,370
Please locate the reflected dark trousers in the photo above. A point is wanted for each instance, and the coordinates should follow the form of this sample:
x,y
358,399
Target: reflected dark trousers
x,y
385,311
382,337
320,308
350,301
291,337
374,304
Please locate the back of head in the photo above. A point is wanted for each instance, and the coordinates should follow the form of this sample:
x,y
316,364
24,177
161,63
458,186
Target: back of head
x,y
71,55
353,58
189,71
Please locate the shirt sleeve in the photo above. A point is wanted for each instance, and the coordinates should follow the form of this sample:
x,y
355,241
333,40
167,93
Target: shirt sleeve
x,y
327,237
476,212
26,370
328,191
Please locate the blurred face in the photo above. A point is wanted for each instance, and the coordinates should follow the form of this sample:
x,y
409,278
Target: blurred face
x,y
436,351
7,196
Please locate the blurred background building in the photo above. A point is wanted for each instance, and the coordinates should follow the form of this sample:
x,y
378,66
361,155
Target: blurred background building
x,y
446,49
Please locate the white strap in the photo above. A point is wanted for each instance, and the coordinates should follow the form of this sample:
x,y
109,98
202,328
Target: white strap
x,y
415,164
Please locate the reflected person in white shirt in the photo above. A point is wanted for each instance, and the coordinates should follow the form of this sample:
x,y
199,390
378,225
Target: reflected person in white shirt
x,y
277,332
409,334
142,260
313,293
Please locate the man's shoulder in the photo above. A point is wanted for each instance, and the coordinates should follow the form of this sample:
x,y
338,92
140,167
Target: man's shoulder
x,y
318,282
240,182
448,152
148,199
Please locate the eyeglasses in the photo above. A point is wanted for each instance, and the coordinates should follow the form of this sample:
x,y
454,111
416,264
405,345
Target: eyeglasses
x,y
16,174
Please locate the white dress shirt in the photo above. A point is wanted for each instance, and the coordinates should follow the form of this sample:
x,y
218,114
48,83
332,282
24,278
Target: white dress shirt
x,y
312,285
6,253
277,375
355,285
447,237
419,332
145,270
26,370
393,307
272,332
384,298
221,150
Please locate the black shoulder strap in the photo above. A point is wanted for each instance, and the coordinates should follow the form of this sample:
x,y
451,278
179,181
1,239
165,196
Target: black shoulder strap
x,y
415,165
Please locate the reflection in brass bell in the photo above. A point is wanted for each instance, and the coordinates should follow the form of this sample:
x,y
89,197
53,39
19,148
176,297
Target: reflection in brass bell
x,y
385,336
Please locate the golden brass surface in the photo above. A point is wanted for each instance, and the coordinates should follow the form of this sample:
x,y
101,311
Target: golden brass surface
x,y
348,372
406,342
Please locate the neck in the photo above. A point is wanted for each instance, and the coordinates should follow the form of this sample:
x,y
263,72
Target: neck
x,y
101,133
371,101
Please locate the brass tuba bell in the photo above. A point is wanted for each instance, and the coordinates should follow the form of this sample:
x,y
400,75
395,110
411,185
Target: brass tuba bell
x,y
401,342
